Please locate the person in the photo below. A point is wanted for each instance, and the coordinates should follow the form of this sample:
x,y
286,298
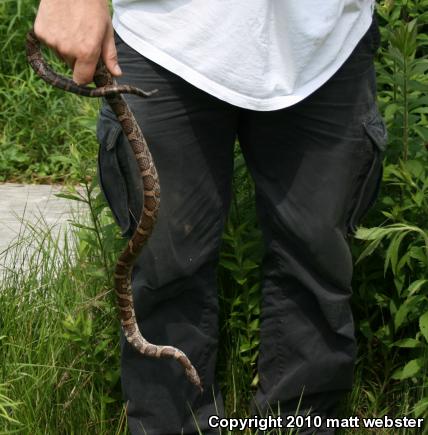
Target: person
x,y
294,82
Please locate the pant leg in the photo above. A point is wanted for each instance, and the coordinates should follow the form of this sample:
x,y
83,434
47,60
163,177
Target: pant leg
x,y
316,167
191,137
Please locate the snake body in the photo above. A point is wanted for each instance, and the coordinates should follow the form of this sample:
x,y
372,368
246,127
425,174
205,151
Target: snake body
x,y
107,88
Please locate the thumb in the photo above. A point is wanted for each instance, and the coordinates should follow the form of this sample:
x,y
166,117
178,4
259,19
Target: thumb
x,y
109,53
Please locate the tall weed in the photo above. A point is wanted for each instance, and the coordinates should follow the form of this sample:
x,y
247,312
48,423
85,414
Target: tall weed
x,y
239,285
391,277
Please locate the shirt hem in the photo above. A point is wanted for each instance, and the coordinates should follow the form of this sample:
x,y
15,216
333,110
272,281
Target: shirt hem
x,y
227,94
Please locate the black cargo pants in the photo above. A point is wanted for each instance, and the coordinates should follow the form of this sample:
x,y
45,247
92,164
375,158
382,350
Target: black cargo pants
x,y
316,167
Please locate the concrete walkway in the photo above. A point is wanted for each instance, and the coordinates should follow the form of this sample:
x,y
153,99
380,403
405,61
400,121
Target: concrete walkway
x,y
35,204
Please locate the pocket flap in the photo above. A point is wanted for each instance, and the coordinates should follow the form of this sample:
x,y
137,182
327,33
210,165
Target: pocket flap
x,y
108,129
376,129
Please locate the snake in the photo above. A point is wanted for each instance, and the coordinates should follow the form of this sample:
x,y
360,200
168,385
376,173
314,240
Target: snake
x,y
106,87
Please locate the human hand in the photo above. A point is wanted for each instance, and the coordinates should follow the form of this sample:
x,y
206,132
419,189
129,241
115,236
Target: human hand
x,y
80,32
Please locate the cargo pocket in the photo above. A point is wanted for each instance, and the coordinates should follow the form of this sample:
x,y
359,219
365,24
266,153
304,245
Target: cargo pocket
x,y
369,188
118,173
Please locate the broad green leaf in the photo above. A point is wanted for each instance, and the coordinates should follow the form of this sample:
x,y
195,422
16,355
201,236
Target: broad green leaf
x,y
407,343
245,347
401,315
420,110
418,86
423,325
255,381
409,370
415,286
369,250
421,131
390,111
420,66
365,329
374,233
415,167
229,265
420,407
419,197
249,265
392,253
240,280
254,325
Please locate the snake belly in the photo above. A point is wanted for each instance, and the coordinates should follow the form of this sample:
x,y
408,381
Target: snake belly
x,y
107,88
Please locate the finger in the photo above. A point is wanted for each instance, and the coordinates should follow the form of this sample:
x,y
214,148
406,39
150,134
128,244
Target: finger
x,y
69,61
66,59
83,71
109,54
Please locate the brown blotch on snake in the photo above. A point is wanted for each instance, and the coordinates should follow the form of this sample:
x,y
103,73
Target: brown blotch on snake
x,y
107,88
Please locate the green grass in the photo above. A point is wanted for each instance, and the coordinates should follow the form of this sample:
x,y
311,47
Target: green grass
x,y
59,341
38,124
59,337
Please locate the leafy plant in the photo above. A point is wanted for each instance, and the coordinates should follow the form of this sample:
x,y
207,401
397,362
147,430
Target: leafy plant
x,y
403,88
239,273
60,330
391,278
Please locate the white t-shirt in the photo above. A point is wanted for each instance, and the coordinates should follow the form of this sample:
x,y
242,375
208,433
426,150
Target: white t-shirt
x,y
256,54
